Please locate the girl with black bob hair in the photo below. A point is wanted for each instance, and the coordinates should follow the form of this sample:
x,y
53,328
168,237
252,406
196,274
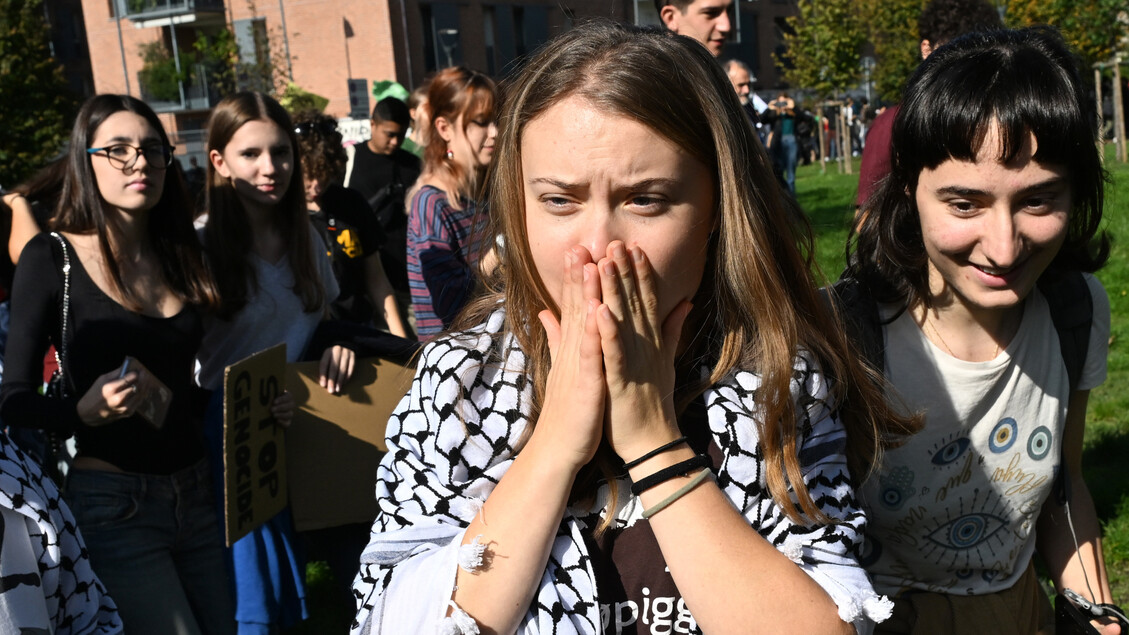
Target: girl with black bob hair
x,y
981,238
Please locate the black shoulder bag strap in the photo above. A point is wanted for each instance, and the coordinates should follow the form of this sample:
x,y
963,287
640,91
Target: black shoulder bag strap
x,y
1072,312
63,382
858,313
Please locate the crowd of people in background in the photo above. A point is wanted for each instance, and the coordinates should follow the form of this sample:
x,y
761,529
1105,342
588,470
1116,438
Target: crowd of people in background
x,y
633,405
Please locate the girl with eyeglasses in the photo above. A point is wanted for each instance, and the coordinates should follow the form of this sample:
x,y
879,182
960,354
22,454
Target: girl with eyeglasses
x,y
275,283
132,304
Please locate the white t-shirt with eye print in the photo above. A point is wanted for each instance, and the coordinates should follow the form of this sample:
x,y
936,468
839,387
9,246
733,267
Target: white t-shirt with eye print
x,y
954,509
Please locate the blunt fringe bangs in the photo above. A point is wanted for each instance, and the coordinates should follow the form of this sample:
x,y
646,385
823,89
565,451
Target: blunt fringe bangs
x,y
455,92
1022,82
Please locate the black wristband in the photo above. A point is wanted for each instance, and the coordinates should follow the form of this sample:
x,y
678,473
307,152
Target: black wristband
x,y
657,451
668,473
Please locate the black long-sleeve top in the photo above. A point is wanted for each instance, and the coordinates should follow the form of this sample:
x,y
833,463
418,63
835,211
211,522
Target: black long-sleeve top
x,y
101,334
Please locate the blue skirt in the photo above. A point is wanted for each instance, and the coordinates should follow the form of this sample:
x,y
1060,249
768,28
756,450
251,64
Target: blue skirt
x,y
266,566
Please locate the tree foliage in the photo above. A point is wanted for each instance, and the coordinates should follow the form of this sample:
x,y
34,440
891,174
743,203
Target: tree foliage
x,y
36,107
893,30
825,46
1091,27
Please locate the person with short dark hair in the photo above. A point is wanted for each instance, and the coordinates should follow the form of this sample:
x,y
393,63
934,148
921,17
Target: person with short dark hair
x,y
383,172
707,21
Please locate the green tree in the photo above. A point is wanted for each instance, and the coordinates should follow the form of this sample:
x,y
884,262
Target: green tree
x,y
824,46
1091,27
893,30
36,106
159,78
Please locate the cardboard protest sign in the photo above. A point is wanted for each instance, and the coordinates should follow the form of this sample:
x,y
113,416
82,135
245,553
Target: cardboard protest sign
x,y
336,441
254,452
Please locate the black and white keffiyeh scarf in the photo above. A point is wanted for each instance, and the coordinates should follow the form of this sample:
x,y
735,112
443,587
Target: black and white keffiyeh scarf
x,y
453,436
46,583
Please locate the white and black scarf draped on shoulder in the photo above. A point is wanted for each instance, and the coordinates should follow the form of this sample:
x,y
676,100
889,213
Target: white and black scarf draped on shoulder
x,y
46,583
453,437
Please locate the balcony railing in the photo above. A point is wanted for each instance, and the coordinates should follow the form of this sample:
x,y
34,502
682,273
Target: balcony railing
x,y
137,10
197,93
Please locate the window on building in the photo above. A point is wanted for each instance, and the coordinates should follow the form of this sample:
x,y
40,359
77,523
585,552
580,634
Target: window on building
x,y
255,70
488,40
751,53
446,39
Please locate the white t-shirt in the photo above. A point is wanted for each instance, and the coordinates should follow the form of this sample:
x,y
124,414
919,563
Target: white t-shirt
x,y
954,509
273,314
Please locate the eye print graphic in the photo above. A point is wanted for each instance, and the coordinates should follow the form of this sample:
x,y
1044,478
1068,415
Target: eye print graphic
x,y
1003,435
951,451
897,487
967,531
1039,443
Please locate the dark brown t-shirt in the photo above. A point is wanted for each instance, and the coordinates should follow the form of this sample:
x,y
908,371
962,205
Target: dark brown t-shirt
x,y
636,592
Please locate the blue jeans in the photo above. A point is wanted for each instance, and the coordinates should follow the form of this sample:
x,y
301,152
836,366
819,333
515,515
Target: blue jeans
x,y
154,542
789,153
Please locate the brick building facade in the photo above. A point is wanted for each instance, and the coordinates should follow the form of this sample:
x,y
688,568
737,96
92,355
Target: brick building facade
x,y
323,44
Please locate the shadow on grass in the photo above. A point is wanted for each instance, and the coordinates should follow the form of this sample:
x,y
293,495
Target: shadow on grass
x,y
1103,464
825,208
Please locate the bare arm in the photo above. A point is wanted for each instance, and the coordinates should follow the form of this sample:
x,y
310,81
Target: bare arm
x,y
1070,568
24,227
380,292
519,520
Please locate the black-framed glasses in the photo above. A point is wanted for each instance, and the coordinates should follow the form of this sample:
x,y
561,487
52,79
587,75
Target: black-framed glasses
x,y
124,156
324,127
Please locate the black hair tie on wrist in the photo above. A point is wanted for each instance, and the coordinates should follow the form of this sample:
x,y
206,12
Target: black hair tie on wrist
x,y
668,473
657,451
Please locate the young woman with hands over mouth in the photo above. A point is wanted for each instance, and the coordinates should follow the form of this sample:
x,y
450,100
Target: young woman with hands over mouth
x,y
636,429
133,304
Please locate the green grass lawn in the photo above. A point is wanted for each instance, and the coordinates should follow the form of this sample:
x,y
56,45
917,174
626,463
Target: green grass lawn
x,y
828,198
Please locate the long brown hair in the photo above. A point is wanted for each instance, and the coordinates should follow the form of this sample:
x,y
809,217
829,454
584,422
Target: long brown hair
x,y
757,306
81,210
228,232
456,92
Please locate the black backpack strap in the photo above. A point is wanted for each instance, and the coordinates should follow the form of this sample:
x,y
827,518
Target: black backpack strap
x,y
1072,312
858,313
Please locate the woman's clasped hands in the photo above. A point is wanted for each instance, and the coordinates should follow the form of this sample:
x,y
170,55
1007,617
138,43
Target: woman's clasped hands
x,y
612,356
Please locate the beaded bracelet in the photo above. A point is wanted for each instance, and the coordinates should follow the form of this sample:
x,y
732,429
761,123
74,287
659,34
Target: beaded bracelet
x,y
665,474
682,491
653,453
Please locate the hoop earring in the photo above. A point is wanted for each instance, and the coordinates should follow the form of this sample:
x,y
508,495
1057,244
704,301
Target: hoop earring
x,y
450,154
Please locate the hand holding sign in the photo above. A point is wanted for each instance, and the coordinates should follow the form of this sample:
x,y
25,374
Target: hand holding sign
x,y
254,467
